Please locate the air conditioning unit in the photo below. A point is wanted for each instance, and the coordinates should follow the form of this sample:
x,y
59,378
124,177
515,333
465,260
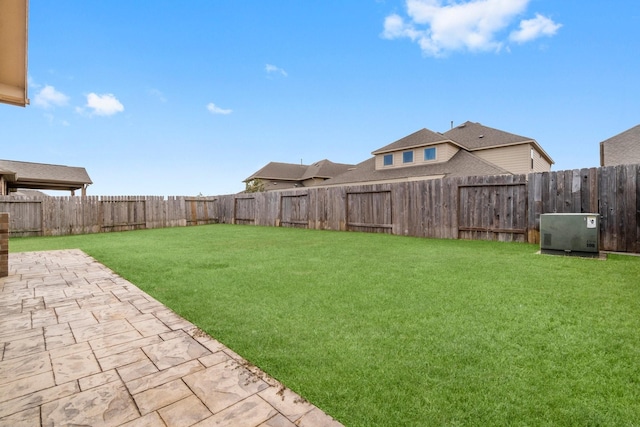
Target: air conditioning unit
x,y
575,234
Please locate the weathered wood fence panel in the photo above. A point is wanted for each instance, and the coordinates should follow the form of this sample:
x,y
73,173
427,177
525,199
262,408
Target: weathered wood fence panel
x,y
53,216
504,208
294,210
201,210
123,213
493,210
245,209
25,216
369,211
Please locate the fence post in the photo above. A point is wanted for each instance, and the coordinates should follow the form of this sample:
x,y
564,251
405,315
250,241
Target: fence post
x,y
4,244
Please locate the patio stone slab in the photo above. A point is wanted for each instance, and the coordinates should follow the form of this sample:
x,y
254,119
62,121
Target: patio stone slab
x,y
153,380
175,352
35,400
249,412
22,367
137,369
45,317
26,418
286,402
150,420
28,385
223,385
109,405
185,412
80,345
161,396
73,366
24,346
150,327
122,359
98,379
277,421
59,341
101,330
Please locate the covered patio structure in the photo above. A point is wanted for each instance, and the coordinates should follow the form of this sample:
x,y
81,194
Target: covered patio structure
x,y
16,175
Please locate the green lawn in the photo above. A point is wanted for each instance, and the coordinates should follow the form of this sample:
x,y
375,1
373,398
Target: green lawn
x,y
382,330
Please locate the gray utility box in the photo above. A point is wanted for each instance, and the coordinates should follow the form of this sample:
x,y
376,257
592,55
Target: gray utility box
x,y
570,234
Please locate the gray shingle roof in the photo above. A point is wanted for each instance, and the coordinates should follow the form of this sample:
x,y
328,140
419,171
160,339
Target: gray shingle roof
x,y
325,169
280,171
462,163
294,172
473,136
416,139
45,176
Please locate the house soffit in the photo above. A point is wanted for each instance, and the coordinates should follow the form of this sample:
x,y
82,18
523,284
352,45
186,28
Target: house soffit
x,y
413,147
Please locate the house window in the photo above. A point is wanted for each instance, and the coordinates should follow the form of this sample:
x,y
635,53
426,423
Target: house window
x,y
407,157
387,160
532,159
430,153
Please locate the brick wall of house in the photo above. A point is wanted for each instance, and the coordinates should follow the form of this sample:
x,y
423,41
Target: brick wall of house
x,y
4,244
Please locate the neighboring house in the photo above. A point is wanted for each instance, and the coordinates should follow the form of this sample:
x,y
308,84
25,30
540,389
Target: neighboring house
x,y
280,176
16,175
621,149
466,150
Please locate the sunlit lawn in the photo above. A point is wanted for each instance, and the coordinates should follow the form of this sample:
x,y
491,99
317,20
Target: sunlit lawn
x,y
382,330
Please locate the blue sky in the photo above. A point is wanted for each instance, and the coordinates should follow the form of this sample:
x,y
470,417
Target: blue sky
x,y
188,97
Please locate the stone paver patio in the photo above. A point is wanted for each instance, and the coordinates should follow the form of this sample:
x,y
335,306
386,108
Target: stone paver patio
x,y
80,345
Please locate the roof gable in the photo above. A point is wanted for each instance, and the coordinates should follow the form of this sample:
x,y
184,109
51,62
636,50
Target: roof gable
x,y
295,172
280,171
417,139
325,169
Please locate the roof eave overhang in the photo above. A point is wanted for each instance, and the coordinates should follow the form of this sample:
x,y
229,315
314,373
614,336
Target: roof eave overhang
x,y
385,181
13,45
9,176
412,147
47,184
274,178
47,187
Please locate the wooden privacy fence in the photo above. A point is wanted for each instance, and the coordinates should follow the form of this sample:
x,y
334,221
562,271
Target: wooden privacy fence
x,y
505,208
470,207
52,216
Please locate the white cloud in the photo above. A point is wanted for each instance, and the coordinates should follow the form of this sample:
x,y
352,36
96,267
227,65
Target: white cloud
x,y
104,105
214,109
49,97
531,29
270,69
472,25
